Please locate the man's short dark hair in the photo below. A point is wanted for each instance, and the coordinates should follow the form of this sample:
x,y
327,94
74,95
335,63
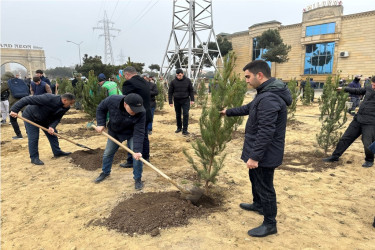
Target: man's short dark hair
x,y
36,79
373,79
179,71
258,66
39,71
130,69
68,96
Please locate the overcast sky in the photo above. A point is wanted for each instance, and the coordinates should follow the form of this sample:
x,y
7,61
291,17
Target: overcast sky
x,y
145,24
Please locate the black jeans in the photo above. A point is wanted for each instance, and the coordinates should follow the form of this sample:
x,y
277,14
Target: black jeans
x,y
264,194
354,130
15,126
184,106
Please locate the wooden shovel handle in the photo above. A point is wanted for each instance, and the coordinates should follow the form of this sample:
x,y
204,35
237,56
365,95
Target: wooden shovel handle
x,y
146,162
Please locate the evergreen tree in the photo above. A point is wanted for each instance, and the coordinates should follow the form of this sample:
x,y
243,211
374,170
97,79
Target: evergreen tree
x,y
216,130
274,48
160,98
92,95
201,93
292,86
64,86
307,93
332,114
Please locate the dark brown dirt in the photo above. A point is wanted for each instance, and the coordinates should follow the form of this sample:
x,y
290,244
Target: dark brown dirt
x,y
4,142
307,162
294,124
148,213
75,120
91,160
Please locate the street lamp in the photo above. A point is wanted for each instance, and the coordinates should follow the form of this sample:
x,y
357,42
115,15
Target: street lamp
x,y
79,49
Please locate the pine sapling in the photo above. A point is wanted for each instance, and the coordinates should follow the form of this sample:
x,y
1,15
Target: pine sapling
x,y
160,98
307,93
332,114
92,95
292,86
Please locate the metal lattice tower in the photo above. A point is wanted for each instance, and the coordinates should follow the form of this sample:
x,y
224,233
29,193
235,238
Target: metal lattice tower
x,y
192,21
107,27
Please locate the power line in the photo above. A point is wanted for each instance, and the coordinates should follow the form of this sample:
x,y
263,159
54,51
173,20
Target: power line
x,y
114,10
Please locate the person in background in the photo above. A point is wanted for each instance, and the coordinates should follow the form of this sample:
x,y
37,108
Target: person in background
x,y
355,99
111,87
38,87
4,106
181,95
153,92
363,123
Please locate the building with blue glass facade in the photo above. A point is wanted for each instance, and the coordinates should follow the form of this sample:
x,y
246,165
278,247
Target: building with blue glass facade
x,y
325,42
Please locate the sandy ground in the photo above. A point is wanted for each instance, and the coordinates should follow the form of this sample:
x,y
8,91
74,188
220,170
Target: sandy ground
x,y
53,206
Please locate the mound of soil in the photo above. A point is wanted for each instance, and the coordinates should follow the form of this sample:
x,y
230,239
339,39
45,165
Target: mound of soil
x,y
92,159
82,133
74,120
148,213
306,162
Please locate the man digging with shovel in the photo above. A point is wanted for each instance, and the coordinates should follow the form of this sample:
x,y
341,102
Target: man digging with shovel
x,y
127,119
45,110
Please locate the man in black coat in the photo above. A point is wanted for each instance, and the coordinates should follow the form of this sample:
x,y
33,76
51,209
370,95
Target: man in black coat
x,y
182,92
136,84
127,119
153,93
47,111
263,148
363,124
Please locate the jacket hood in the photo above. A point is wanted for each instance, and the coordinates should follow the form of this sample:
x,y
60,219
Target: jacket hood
x,y
277,87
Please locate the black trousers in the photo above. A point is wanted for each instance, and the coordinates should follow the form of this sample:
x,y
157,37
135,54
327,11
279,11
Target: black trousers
x,y
264,194
354,130
184,106
15,126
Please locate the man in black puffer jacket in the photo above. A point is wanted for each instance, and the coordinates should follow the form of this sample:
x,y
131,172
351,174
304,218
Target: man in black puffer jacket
x,y
136,84
363,124
263,148
182,92
47,111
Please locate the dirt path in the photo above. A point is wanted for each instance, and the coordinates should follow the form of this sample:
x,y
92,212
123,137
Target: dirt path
x,y
55,206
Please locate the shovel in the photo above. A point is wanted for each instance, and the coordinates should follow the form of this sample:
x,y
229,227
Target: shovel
x,y
56,134
193,194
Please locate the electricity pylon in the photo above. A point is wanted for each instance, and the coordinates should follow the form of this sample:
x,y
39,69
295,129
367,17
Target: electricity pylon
x,y
107,27
192,21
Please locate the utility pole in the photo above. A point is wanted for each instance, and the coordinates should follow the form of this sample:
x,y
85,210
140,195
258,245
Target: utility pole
x,y
107,26
121,57
192,21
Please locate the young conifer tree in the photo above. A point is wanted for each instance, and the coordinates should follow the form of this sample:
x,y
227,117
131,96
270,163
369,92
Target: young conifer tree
x,y
332,114
216,130
92,95
201,93
307,93
160,98
292,86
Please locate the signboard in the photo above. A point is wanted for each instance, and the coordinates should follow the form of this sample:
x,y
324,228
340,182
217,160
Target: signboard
x,y
18,46
323,4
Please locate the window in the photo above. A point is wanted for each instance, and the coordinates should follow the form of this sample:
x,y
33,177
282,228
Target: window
x,y
257,53
319,58
320,29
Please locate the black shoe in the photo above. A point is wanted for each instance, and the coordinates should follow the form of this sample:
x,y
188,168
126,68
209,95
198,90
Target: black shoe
x,y
37,161
178,130
185,133
367,164
101,177
17,137
331,159
262,231
138,184
251,207
62,153
373,223
126,165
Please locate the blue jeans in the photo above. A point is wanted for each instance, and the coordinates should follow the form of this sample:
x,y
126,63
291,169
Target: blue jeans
x,y
33,141
149,126
264,194
109,153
